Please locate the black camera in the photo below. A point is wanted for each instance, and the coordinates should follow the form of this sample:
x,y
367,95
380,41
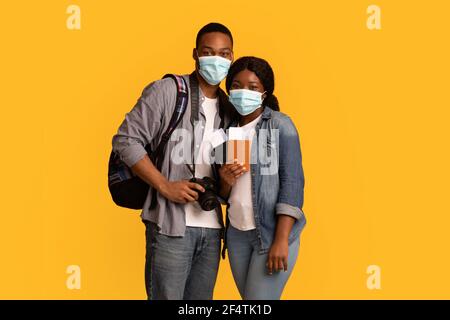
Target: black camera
x,y
208,200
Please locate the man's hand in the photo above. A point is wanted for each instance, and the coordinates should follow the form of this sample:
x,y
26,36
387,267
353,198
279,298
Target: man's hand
x,y
278,256
177,191
180,191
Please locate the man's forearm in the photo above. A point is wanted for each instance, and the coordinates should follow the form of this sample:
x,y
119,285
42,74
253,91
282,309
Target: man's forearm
x,y
146,170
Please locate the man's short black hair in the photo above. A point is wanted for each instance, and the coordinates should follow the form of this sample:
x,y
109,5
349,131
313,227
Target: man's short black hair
x,y
213,27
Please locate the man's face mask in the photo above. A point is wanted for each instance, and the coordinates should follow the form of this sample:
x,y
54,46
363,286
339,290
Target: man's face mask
x,y
245,101
213,68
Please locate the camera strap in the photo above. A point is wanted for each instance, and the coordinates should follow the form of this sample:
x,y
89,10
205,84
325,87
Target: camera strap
x,y
180,108
195,109
194,95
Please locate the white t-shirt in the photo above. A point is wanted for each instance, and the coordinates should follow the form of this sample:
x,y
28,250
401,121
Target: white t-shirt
x,y
240,212
195,216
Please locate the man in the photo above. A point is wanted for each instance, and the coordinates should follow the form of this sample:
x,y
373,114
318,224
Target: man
x,y
183,241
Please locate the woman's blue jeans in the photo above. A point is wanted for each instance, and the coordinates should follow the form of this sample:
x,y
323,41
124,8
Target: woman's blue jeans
x,y
249,267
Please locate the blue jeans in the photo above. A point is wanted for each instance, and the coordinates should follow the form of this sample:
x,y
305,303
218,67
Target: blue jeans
x,y
182,268
249,267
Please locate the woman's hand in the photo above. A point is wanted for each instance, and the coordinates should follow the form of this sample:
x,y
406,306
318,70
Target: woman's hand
x,y
277,259
229,173
278,253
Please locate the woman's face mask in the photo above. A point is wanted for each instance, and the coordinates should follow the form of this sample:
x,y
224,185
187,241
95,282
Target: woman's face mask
x,y
213,68
245,101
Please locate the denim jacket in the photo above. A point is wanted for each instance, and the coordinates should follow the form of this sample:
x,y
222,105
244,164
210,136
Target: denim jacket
x,y
276,175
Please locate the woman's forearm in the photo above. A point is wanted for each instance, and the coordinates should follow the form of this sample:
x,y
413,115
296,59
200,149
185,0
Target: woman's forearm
x,y
284,227
225,190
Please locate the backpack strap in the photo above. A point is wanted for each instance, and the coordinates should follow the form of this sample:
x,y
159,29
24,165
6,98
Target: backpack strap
x,y
180,108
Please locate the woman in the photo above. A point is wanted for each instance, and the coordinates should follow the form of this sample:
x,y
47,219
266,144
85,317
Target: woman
x,y
264,211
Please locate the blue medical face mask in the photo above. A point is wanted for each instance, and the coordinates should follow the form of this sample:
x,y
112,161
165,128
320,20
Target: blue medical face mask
x,y
245,101
213,68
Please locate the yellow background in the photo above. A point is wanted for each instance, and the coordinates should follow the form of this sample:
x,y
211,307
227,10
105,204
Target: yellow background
x,y
371,107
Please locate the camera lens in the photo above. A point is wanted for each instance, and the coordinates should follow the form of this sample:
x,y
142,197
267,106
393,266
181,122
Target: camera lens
x,y
207,200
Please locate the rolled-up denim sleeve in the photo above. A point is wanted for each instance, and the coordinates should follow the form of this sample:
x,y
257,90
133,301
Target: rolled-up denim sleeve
x,y
140,125
290,171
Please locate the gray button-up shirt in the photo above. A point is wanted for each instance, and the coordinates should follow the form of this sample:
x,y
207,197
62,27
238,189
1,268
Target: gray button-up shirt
x,y
145,124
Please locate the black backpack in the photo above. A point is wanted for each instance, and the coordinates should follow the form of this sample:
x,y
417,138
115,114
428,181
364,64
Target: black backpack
x,y
126,188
